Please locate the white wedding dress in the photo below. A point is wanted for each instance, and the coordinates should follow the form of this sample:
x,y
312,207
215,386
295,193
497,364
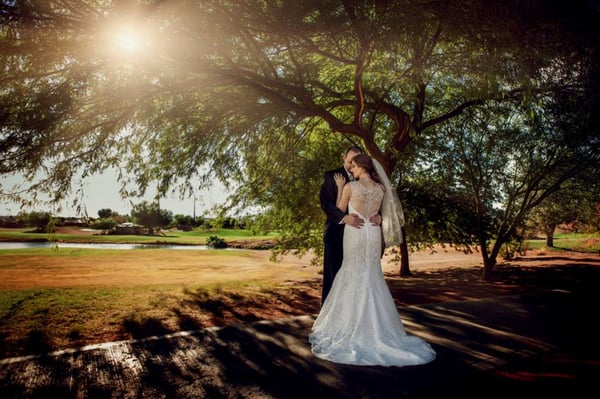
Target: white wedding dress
x,y
358,323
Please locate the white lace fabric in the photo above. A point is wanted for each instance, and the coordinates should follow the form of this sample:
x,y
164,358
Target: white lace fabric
x,y
365,201
359,323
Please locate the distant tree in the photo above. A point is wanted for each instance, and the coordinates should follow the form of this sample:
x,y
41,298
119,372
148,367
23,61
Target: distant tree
x,y
229,223
183,220
151,216
105,213
241,222
105,224
40,220
199,221
120,218
217,222
577,204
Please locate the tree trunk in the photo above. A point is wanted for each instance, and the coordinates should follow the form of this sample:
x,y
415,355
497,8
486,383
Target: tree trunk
x,y
550,236
404,264
488,267
489,259
487,264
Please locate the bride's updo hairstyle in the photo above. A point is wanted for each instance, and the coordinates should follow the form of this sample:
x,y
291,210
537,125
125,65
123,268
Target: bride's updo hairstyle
x,y
364,161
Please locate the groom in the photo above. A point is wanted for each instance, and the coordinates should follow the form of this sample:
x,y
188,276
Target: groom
x,y
333,238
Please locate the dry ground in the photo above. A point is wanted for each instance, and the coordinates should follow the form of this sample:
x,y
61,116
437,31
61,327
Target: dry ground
x,y
441,275
446,275
294,286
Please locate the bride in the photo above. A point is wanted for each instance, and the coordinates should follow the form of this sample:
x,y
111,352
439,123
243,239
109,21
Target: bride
x,y
358,322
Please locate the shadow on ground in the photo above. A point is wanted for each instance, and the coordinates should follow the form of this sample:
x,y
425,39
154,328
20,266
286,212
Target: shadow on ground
x,y
201,309
484,347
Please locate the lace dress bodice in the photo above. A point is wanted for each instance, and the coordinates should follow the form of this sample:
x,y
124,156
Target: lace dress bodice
x,y
365,201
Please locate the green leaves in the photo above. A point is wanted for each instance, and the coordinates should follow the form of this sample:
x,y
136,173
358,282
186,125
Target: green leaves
x,y
263,96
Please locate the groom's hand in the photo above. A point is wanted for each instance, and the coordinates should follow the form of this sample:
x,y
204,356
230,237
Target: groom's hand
x,y
375,219
353,220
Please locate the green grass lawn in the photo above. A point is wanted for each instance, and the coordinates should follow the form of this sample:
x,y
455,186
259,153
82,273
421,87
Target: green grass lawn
x,y
176,237
580,242
577,242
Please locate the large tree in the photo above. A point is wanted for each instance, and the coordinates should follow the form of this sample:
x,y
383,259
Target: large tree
x,y
501,165
263,92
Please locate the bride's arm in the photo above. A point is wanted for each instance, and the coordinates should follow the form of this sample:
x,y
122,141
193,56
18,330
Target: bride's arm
x,y
340,182
344,198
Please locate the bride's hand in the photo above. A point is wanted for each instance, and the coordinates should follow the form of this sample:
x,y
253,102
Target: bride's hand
x,y
339,180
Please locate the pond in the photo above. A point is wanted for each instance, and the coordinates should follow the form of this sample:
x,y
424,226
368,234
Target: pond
x,y
33,245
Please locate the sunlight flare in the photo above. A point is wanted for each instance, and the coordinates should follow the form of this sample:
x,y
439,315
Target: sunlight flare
x,y
128,41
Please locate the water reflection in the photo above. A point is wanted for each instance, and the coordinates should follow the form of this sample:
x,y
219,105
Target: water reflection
x,y
34,245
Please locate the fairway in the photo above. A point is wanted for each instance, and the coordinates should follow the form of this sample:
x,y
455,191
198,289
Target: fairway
x,y
45,268
52,299
58,298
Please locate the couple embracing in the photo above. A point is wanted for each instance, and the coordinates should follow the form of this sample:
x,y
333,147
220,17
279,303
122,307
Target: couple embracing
x,y
358,323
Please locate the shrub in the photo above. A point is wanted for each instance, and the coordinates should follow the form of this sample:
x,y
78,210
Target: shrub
x,y
216,242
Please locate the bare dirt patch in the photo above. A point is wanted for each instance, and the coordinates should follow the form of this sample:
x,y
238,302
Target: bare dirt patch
x,y
76,230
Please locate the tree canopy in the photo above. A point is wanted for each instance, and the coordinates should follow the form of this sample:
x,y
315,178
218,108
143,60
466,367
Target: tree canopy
x,y
265,94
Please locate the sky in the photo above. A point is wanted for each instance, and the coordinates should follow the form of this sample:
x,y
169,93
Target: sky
x,y
102,191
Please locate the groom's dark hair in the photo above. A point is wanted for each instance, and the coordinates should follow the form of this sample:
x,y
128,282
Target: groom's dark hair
x,y
353,148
